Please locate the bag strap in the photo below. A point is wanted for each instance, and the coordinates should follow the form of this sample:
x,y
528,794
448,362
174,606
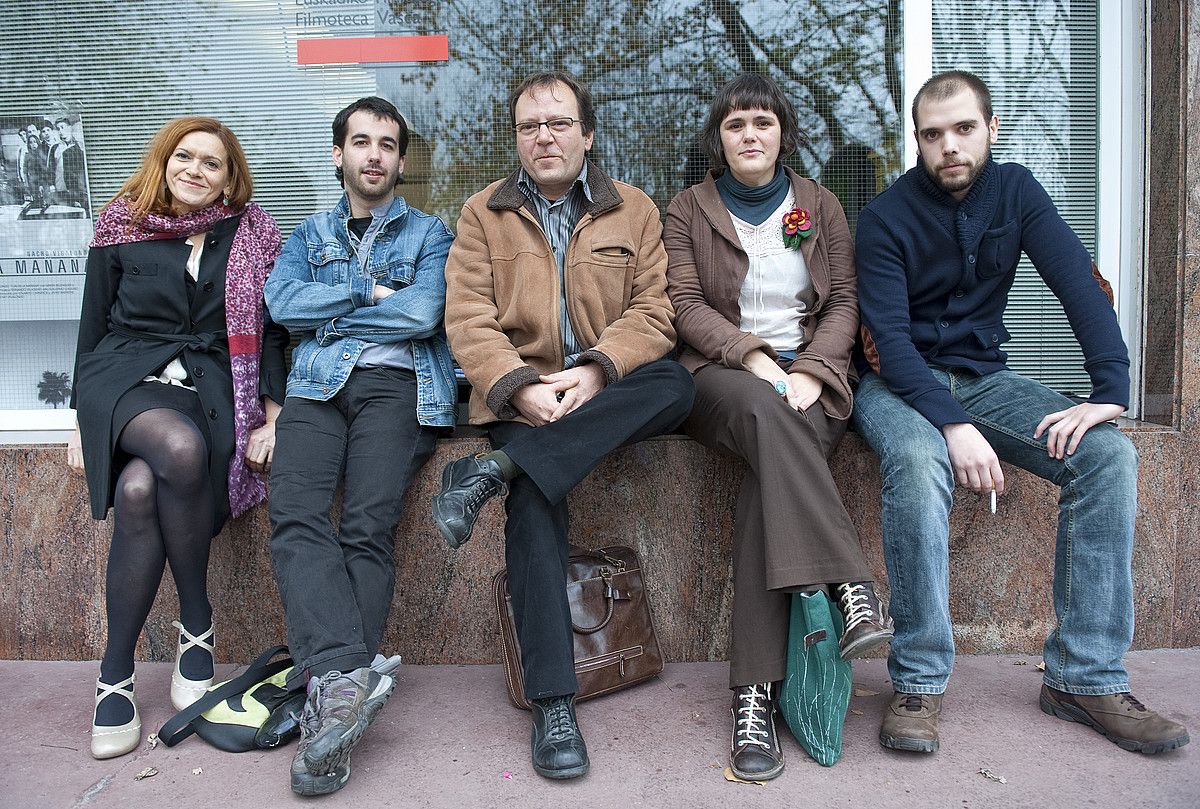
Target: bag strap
x,y
179,726
599,555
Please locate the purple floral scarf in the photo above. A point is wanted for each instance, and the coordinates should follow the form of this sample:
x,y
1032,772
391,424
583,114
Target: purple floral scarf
x,y
255,245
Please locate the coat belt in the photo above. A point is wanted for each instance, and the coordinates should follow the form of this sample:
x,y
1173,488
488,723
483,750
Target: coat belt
x,y
200,341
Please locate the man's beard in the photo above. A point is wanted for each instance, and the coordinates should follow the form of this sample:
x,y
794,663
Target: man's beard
x,y
379,193
962,183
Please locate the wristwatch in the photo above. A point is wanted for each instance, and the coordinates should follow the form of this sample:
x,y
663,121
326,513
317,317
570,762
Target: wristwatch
x,y
781,388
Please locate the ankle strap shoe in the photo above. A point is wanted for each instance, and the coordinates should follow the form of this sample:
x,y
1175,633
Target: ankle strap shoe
x,y
109,741
185,691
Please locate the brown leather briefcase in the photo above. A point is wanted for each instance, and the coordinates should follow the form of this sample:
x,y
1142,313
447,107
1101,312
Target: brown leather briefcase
x,y
615,645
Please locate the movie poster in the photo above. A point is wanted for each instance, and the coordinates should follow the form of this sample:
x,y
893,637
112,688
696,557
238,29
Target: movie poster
x,y
45,226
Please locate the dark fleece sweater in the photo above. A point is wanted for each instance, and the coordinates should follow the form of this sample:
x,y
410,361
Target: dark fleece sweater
x,y
934,276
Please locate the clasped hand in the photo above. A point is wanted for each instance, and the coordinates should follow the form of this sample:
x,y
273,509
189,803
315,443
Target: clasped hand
x,y
802,389
540,403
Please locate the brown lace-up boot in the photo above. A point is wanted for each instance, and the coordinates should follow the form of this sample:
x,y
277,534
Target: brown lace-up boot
x,y
911,723
1121,718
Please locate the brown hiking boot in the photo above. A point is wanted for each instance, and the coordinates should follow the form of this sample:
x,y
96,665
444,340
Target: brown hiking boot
x,y
910,723
1121,718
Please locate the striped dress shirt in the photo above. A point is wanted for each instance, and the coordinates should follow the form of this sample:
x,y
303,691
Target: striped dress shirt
x,y
558,219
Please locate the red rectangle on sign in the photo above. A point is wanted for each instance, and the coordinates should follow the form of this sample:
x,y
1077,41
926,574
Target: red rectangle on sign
x,y
362,50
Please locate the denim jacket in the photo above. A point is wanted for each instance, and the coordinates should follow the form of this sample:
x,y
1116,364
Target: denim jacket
x,y
319,289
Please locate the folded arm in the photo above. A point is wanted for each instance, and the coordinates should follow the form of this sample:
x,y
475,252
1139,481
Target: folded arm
x,y
299,301
413,312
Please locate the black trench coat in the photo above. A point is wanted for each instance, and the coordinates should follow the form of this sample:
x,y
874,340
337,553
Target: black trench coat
x,y
145,287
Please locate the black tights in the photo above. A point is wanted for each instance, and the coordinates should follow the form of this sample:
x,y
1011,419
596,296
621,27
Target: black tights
x,y
162,512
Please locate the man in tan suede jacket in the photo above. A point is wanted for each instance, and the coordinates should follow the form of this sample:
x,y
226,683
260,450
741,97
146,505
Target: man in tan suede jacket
x,y
557,312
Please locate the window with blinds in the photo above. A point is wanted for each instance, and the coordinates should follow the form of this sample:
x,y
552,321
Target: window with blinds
x,y
1041,62
277,71
116,72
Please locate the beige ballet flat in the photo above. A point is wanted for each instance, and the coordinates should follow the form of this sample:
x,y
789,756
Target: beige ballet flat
x,y
109,741
184,691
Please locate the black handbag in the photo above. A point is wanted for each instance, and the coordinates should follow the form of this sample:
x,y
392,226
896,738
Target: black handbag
x,y
253,711
615,644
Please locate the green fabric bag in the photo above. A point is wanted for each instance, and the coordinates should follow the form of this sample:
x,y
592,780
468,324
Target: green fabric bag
x,y
816,691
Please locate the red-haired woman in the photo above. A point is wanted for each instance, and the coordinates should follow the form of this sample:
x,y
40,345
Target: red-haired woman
x,y
177,377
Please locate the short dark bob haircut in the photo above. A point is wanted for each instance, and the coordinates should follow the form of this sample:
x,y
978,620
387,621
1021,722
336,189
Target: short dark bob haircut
x,y
750,91
545,80
951,83
382,109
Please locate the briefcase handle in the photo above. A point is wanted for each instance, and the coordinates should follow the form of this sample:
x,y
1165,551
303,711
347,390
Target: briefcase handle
x,y
610,598
578,550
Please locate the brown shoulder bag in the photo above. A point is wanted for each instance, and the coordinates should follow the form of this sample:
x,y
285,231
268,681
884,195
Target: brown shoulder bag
x,y
615,645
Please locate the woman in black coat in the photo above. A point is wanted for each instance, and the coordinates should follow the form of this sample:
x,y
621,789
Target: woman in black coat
x,y
177,379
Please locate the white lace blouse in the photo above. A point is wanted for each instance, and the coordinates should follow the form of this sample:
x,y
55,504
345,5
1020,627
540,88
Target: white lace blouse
x,y
777,291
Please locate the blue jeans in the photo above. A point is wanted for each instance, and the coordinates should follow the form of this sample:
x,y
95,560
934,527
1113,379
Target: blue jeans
x,y
1093,581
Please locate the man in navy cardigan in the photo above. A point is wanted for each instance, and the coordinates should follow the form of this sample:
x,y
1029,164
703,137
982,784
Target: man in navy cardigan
x,y
937,255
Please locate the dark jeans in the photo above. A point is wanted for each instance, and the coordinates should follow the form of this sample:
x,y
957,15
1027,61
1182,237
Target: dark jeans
x,y
651,400
337,585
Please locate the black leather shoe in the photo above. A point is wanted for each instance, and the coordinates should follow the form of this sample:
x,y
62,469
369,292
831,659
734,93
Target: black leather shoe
x,y
558,748
467,484
755,754
868,625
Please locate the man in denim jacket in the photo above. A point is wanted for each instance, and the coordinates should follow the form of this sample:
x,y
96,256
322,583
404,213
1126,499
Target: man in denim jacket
x,y
937,256
371,382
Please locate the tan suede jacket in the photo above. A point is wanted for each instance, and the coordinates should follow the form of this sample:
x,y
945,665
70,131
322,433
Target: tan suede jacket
x,y
707,268
502,291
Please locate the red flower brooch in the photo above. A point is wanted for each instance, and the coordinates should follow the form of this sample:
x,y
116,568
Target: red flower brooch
x,y
797,225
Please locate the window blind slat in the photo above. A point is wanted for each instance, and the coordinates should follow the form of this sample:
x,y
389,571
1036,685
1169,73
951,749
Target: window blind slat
x,y
1041,63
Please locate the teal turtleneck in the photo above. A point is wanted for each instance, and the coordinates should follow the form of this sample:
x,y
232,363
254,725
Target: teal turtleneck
x,y
749,203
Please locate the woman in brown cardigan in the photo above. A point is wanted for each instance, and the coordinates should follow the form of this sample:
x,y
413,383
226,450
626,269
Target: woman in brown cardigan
x,y
761,274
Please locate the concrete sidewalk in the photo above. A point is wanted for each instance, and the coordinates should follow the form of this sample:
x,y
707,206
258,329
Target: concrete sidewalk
x,y
449,738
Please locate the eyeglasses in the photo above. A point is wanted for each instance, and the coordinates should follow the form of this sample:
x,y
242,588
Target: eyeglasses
x,y
557,126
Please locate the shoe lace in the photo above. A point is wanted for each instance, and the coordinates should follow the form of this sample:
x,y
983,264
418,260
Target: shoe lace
x,y
750,725
855,600
1133,702
484,487
307,720
342,696
913,702
481,491
558,721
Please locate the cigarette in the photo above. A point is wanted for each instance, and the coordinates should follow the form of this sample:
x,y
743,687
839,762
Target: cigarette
x,y
993,498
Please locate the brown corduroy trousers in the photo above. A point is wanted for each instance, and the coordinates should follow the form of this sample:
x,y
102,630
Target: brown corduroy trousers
x,y
791,528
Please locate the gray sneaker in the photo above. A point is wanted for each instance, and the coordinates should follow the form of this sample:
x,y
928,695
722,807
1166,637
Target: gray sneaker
x,y
307,784
338,710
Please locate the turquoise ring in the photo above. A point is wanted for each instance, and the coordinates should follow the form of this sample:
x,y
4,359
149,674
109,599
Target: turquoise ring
x,y
781,388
